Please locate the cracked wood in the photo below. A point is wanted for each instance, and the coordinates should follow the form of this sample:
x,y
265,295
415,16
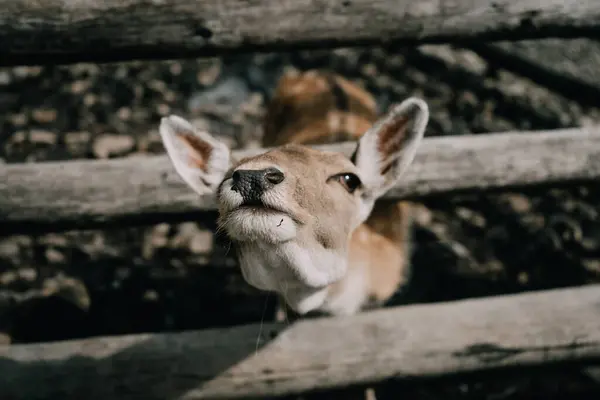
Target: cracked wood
x,y
146,189
67,31
427,340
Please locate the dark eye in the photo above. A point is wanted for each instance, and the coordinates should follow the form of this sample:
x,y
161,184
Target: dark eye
x,y
350,181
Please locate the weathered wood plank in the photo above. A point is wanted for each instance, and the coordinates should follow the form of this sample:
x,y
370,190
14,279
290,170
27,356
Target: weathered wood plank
x,y
567,66
64,31
135,190
429,340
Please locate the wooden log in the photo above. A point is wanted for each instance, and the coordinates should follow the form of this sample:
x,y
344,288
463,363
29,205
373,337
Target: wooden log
x,y
65,31
429,340
567,66
138,190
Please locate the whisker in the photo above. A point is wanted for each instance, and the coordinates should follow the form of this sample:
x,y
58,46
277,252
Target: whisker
x,y
228,248
285,313
262,319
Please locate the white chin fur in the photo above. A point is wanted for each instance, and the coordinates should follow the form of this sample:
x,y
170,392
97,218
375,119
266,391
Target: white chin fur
x,y
271,258
253,224
228,198
303,301
299,275
249,225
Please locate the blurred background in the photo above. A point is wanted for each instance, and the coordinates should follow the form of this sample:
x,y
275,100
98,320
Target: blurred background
x,y
177,276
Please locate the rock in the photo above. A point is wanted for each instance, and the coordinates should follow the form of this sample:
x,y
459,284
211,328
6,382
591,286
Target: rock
x,y
422,215
96,245
70,289
77,143
109,145
231,93
185,232
202,242
21,71
90,99
151,295
190,236
155,237
5,339
471,216
27,274
53,239
518,202
9,248
157,86
208,75
175,68
42,137
163,109
19,137
4,78
54,256
8,277
124,113
79,86
150,143
44,116
18,120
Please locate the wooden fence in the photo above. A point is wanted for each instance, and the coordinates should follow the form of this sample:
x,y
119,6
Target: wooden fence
x,y
507,331
414,341
61,31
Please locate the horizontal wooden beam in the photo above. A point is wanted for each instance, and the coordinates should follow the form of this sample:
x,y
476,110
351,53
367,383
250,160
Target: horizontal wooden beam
x,y
430,340
66,31
85,193
567,66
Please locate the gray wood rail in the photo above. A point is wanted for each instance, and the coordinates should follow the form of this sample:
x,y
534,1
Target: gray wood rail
x,y
428,340
142,189
66,31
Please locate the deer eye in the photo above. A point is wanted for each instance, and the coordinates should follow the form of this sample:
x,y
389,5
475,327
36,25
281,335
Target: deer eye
x,y
350,181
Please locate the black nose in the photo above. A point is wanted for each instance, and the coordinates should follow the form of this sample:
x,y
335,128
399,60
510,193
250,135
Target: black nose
x,y
252,183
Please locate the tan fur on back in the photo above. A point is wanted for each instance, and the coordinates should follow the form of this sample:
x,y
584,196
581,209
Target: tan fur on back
x,y
307,109
304,110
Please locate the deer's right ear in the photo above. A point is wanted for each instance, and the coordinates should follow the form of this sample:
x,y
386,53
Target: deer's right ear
x,y
201,160
388,148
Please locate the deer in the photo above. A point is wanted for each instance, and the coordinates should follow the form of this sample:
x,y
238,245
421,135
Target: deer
x,y
310,224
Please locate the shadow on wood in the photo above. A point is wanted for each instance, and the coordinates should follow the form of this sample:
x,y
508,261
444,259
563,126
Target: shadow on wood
x,y
532,329
80,194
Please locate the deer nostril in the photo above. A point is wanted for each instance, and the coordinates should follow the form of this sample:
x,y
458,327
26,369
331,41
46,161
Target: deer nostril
x,y
274,176
236,176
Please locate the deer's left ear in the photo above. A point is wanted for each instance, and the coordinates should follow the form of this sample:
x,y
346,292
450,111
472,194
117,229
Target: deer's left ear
x,y
386,150
200,159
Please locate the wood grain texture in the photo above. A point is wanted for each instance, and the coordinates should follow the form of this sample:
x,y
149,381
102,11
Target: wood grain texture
x,y
430,340
57,195
65,31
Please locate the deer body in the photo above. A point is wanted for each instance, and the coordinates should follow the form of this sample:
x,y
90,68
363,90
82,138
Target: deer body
x,y
320,108
305,221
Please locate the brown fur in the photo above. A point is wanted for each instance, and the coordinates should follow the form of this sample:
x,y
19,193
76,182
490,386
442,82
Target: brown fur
x,y
304,110
307,204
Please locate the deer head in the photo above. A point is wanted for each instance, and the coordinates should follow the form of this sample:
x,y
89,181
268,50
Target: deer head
x,y
292,209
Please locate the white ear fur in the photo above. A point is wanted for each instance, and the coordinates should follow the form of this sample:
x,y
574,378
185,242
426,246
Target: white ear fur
x,y
386,150
199,159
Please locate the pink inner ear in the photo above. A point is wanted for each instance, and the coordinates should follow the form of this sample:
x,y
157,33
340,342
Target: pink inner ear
x,y
391,139
199,151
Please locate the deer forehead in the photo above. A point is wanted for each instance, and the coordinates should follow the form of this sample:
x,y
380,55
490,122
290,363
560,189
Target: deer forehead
x,y
306,180
300,162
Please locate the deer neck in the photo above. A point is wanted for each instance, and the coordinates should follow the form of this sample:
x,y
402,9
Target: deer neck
x,y
302,273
